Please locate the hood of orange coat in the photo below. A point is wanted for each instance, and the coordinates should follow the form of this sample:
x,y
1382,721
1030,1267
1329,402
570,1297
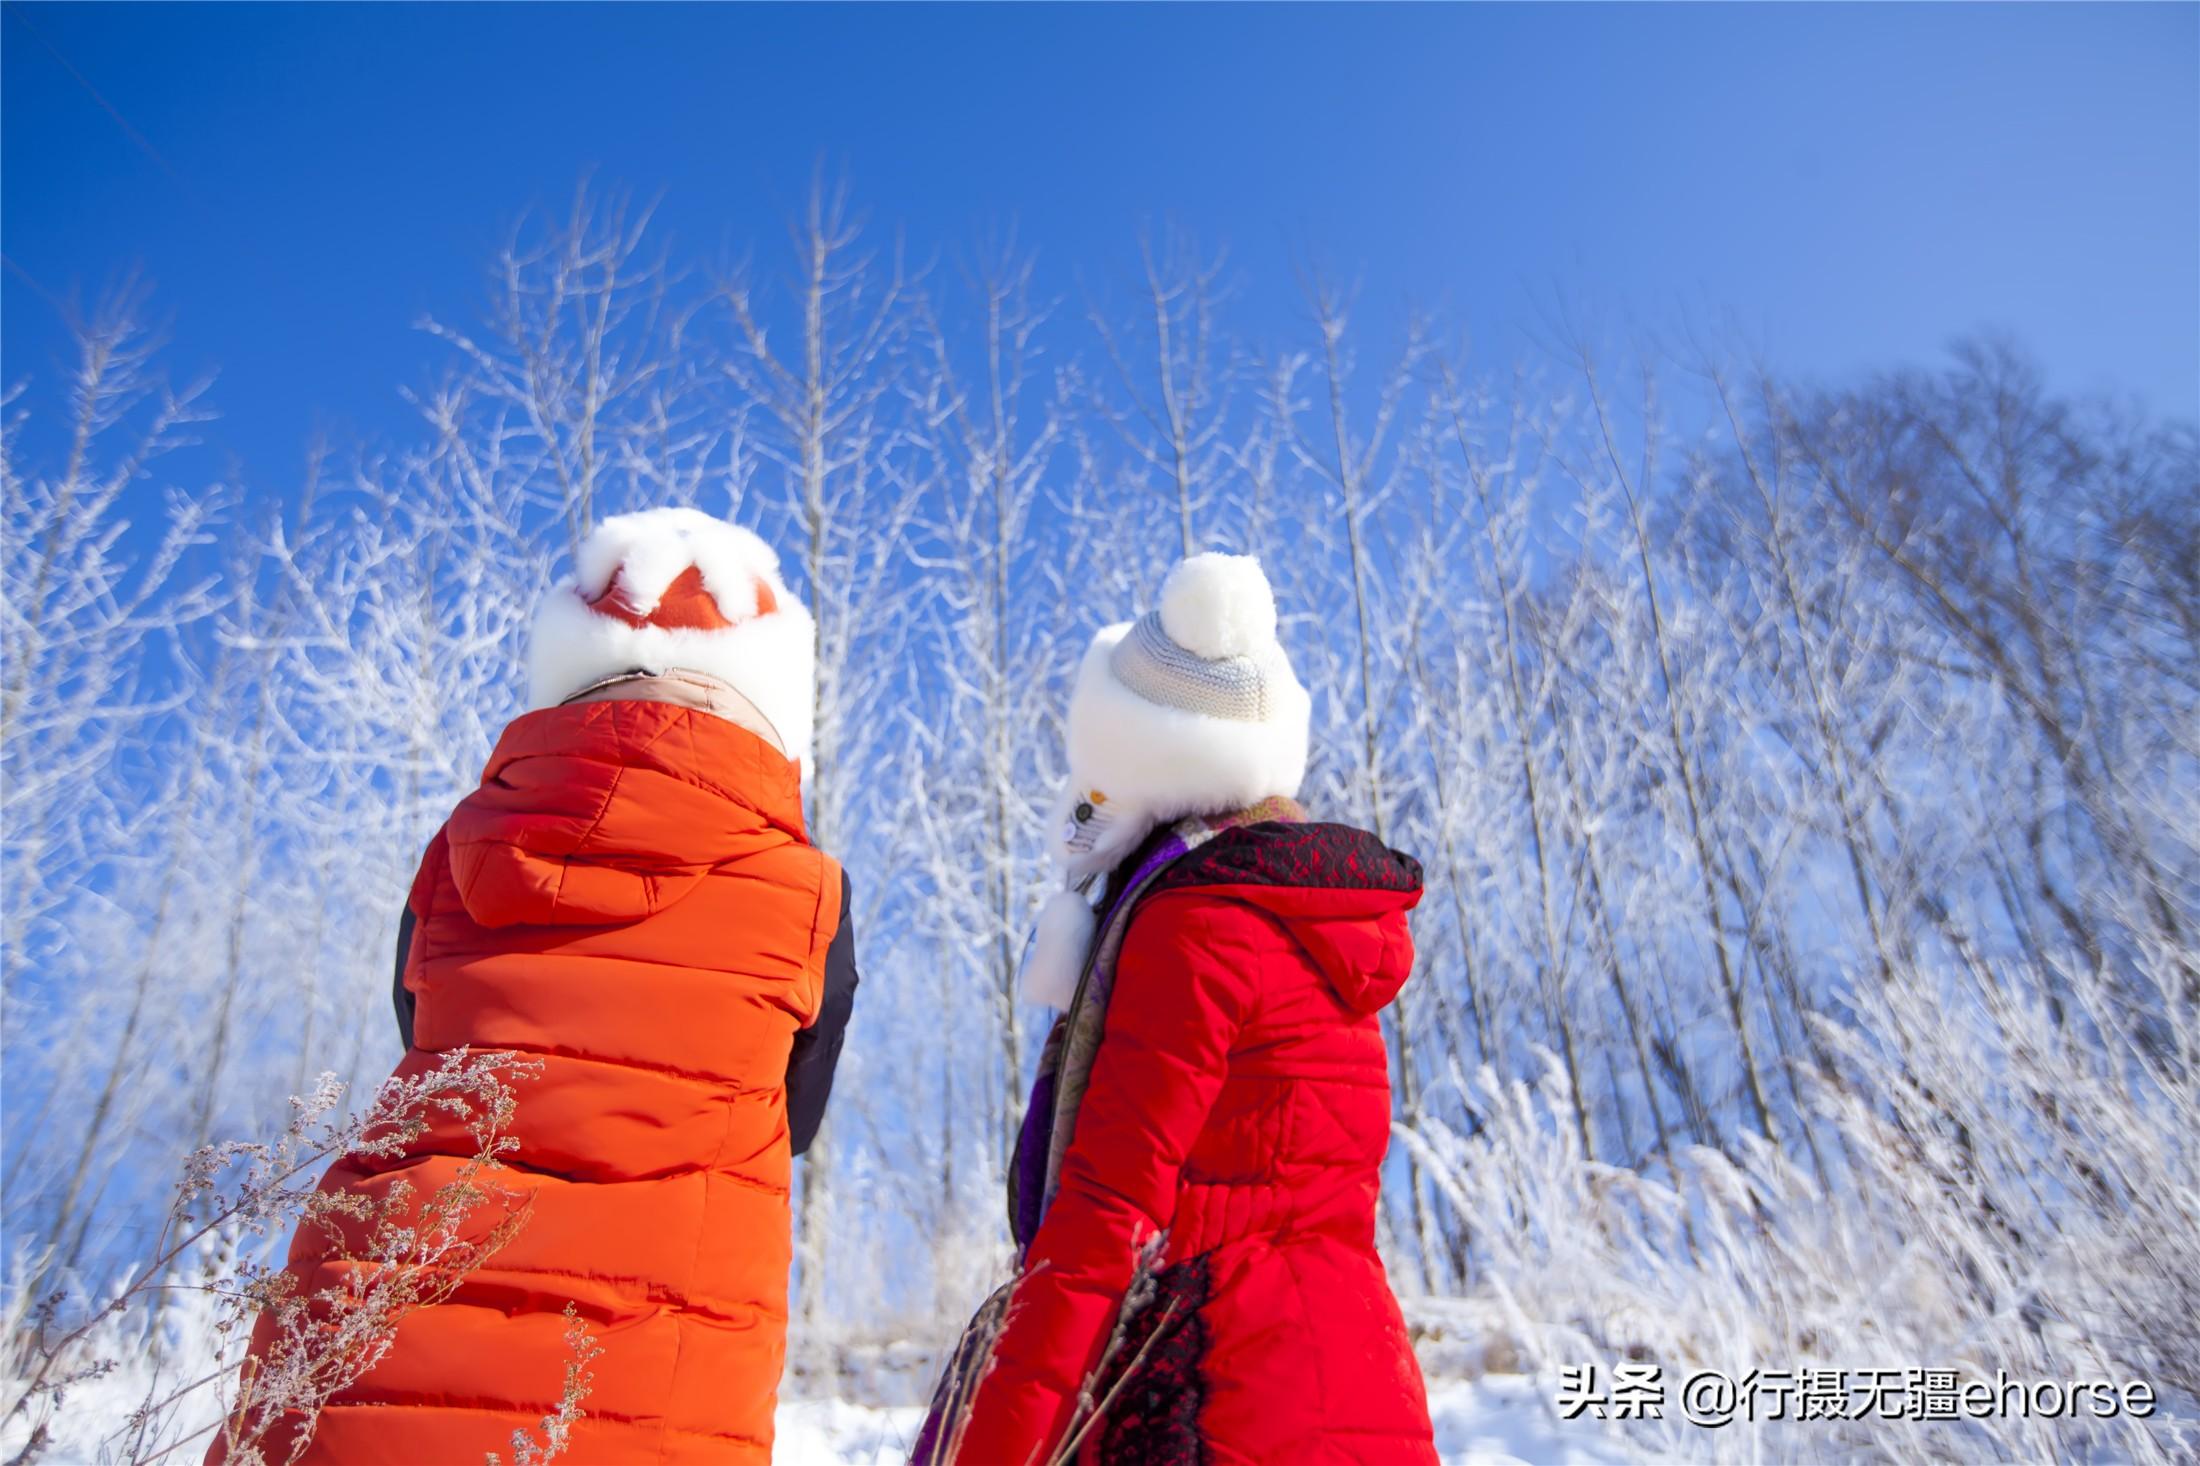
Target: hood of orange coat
x,y
602,812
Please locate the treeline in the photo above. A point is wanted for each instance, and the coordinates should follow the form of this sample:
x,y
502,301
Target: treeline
x,y
1807,778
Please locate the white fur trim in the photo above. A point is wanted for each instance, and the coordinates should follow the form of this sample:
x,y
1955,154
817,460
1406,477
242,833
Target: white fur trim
x,y
655,545
1058,946
1165,763
1217,605
770,660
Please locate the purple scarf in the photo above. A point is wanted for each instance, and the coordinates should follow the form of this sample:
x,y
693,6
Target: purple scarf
x,y
1065,1067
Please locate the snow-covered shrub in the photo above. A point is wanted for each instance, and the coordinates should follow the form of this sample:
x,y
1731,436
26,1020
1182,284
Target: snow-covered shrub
x,y
1807,781
2020,1195
211,1283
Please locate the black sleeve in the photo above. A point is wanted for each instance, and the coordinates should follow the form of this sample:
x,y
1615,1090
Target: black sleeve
x,y
398,990
817,1048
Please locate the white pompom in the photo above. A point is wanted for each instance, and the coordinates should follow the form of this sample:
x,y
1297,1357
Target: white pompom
x,y
1217,605
1058,947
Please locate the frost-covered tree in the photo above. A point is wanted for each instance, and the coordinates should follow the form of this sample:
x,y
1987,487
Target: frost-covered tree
x,y
1805,777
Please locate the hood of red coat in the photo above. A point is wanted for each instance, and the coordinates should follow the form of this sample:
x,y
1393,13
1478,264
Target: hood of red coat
x,y
1341,893
603,812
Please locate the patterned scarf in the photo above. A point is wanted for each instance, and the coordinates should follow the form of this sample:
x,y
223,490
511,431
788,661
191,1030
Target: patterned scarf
x,y
1065,1068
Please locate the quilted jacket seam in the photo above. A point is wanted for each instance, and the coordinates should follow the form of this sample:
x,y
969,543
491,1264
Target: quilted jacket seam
x,y
487,1406
683,771
694,1076
637,1288
603,812
679,1333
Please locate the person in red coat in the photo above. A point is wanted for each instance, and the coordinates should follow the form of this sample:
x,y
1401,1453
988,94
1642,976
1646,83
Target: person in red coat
x,y
1196,1185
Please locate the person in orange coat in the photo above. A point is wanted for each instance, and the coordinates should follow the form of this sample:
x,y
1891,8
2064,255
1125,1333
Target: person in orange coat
x,y
1196,1183
630,899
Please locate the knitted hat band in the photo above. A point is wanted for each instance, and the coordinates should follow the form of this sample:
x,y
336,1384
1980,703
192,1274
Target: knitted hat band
x,y
1148,663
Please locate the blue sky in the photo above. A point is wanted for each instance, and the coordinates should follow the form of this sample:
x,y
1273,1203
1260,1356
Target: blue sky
x,y
1844,186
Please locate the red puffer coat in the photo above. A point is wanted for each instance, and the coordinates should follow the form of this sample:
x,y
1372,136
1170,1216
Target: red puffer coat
x,y
1240,1102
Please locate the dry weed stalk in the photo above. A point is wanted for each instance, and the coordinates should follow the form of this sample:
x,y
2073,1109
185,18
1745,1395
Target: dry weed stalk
x,y
403,1254
557,1427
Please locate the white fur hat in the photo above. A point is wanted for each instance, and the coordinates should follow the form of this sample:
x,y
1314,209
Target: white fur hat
x,y
677,588
1193,708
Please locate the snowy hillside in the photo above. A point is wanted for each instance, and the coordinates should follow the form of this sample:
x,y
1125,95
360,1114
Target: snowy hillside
x,y
1496,1420
1503,1420
1499,1421
1804,781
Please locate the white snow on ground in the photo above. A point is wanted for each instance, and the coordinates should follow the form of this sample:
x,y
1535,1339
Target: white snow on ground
x,y
832,1432
1499,1420
153,1359
1507,1420
1502,1420
1495,1420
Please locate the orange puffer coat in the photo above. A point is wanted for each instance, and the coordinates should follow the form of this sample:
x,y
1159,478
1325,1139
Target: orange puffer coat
x,y
630,898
